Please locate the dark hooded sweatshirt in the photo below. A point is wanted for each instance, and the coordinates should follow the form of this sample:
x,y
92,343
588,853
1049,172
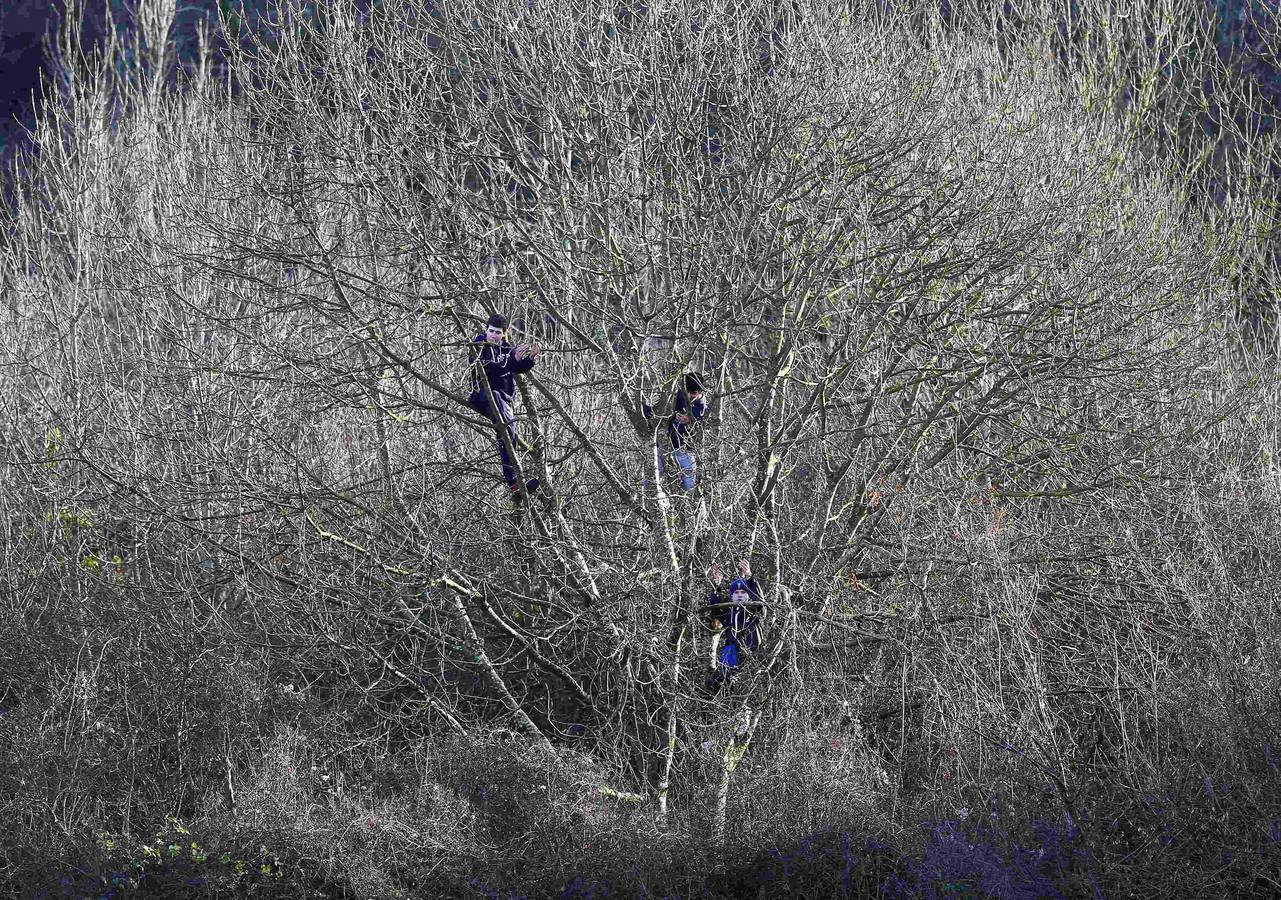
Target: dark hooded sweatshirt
x,y
742,625
501,367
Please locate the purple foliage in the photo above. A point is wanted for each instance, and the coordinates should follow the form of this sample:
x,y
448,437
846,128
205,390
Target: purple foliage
x,y
491,893
957,861
581,889
972,857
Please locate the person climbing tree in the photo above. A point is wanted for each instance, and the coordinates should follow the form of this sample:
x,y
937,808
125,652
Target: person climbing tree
x,y
688,407
735,623
493,395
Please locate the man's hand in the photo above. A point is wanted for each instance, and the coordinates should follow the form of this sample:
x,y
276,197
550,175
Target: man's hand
x,y
745,568
684,418
716,574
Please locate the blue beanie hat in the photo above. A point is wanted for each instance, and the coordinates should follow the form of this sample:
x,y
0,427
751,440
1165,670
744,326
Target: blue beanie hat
x,y
739,584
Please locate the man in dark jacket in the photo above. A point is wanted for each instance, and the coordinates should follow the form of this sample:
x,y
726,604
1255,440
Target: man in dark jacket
x,y
688,407
495,364
735,623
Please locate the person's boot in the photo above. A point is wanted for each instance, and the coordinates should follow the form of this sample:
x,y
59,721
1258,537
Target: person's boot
x,y
531,488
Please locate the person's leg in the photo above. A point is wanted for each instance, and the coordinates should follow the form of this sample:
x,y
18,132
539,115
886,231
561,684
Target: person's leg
x,y
509,464
502,415
723,669
509,420
689,466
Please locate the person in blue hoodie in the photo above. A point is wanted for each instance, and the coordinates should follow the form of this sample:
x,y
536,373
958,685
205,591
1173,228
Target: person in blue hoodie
x,y
735,622
495,364
688,407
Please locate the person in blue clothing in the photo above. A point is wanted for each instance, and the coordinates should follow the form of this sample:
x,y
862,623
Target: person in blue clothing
x,y
688,407
495,364
735,623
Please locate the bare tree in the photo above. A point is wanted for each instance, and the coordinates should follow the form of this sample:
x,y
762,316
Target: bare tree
x,y
954,338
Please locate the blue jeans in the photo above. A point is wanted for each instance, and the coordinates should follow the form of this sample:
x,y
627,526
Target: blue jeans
x,y
689,467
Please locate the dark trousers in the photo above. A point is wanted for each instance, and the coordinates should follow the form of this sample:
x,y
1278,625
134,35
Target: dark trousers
x,y
503,415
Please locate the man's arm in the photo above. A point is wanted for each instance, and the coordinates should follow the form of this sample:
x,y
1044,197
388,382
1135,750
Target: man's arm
x,y
521,359
483,356
686,414
476,363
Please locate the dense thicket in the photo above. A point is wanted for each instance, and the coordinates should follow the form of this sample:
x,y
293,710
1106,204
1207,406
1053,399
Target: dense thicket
x,y
980,422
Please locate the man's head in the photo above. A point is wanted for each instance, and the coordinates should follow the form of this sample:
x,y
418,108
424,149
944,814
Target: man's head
x,y
739,591
496,328
693,386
